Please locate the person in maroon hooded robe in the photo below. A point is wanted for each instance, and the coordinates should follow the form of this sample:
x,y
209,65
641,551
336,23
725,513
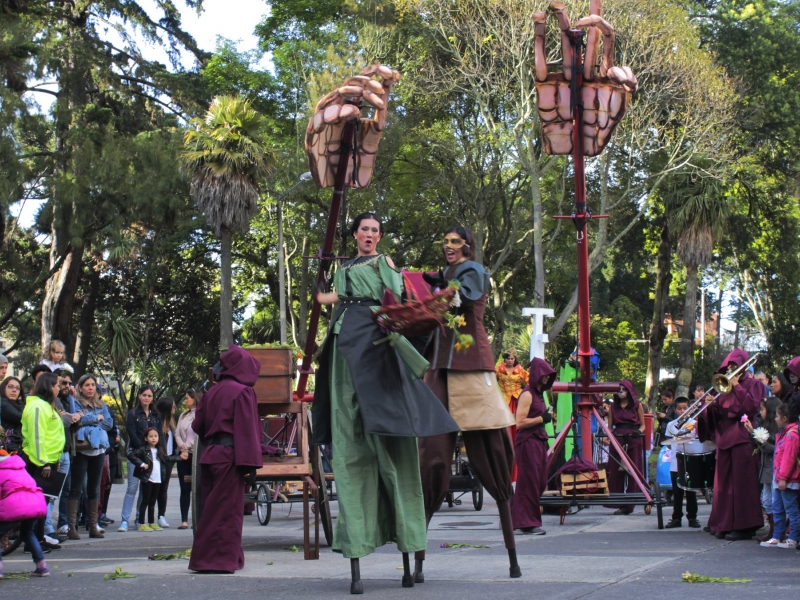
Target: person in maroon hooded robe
x,y
530,450
626,420
735,510
228,425
792,374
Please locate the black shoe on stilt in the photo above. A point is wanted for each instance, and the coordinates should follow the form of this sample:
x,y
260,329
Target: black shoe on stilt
x,y
514,571
408,578
419,576
356,587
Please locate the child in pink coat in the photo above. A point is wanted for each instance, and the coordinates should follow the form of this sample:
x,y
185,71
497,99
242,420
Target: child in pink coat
x,y
786,475
21,503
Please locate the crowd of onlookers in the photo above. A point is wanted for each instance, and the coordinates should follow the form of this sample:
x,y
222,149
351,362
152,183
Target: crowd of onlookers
x,y
60,453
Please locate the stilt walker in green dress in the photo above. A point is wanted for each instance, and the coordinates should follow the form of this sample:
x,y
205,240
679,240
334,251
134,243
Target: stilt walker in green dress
x,y
372,405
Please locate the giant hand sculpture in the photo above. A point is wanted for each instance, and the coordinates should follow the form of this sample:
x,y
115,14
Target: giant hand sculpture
x,y
605,98
324,132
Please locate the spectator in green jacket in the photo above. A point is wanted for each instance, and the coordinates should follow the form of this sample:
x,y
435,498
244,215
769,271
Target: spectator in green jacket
x,y
42,428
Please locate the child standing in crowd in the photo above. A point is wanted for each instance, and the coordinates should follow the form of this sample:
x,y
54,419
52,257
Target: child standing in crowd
x,y
786,482
766,458
53,357
21,503
150,464
687,443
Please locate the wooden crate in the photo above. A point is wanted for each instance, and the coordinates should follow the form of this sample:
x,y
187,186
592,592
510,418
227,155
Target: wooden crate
x,y
584,484
276,378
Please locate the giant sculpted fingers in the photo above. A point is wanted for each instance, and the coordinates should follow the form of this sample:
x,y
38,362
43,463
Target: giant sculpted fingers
x,y
334,110
605,98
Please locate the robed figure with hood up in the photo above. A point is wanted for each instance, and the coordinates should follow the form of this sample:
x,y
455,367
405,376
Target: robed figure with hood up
x,y
792,375
530,449
736,508
227,423
626,420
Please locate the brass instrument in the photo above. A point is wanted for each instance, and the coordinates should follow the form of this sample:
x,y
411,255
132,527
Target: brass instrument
x,y
720,383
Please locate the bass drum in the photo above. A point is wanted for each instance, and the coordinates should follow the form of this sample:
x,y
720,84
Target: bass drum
x,y
696,471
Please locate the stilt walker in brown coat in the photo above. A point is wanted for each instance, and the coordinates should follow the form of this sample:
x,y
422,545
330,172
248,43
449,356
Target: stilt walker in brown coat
x,y
464,380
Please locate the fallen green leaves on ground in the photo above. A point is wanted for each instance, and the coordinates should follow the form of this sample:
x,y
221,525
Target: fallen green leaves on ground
x,y
118,574
463,546
292,548
18,575
696,578
186,554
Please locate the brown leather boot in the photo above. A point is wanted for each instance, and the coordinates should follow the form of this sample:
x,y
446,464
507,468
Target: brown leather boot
x,y
72,519
768,535
94,532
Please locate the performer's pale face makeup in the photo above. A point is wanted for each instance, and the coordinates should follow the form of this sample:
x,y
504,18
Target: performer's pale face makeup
x,y
367,237
623,392
793,379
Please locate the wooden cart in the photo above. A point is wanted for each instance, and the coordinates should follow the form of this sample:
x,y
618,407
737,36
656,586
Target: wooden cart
x,y
300,463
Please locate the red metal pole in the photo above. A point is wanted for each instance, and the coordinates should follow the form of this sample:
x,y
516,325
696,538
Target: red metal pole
x,y
581,217
326,257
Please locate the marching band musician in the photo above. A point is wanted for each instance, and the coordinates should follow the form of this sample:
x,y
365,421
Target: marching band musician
x,y
687,444
736,508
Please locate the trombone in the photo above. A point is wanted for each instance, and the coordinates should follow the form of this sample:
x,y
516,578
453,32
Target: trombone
x,y
720,383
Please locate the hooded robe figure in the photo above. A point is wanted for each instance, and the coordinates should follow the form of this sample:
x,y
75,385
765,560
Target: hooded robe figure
x,y
229,427
792,375
626,423
530,450
736,506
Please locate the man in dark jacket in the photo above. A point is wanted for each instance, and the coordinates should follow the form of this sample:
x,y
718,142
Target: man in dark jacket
x,y
228,424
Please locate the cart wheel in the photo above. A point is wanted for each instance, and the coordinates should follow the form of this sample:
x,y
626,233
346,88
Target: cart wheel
x,y
263,504
659,504
197,497
449,499
709,496
13,546
477,497
648,508
324,497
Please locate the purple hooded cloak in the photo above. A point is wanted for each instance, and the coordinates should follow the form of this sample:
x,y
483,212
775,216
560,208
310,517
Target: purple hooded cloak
x,y
228,410
736,505
530,447
626,427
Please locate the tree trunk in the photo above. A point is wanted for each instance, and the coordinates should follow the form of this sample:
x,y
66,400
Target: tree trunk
x,y
657,330
85,329
717,342
688,333
225,292
499,320
59,295
302,296
538,229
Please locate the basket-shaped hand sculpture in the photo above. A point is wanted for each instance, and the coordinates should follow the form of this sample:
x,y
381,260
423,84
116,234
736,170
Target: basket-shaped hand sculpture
x,y
416,317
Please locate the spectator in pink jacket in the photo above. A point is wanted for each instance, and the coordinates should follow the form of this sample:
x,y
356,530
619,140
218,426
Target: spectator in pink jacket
x,y
786,484
21,503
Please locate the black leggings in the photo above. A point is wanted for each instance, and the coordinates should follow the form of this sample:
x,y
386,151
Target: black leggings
x,y
83,466
149,494
184,470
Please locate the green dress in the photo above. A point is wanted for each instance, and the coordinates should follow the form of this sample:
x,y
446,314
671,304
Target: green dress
x,y
377,477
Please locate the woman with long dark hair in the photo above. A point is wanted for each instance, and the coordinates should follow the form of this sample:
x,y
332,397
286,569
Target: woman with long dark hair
x,y
184,436
169,446
370,403
12,403
91,443
766,419
465,382
139,419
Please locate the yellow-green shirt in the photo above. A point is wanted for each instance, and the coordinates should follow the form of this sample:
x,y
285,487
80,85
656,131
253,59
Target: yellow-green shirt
x,y
42,432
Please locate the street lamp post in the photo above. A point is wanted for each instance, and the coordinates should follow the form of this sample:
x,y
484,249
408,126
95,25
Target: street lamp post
x,y
281,258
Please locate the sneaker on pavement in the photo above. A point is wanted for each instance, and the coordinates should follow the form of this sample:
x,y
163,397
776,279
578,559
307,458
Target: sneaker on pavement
x,y
145,528
790,544
155,527
51,541
123,527
538,531
162,521
694,523
105,520
41,569
673,524
773,543
63,530
45,548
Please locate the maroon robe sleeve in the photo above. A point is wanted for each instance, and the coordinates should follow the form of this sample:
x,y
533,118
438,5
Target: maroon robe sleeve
x,y
247,430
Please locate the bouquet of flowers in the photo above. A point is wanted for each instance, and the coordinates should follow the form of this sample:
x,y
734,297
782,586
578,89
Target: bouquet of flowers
x,y
418,317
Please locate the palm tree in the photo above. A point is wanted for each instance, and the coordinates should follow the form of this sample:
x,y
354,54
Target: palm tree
x,y
225,157
699,221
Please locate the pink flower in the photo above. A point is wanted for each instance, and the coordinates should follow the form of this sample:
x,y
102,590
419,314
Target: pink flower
x,y
745,419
